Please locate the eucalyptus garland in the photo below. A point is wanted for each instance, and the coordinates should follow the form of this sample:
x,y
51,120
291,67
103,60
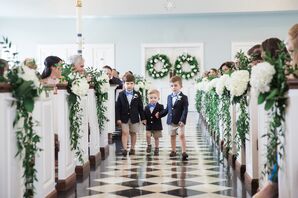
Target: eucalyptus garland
x,y
101,84
151,64
242,123
191,61
25,89
276,102
77,87
226,120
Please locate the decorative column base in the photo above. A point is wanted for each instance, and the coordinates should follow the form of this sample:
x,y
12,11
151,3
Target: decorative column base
x,y
251,185
95,160
83,171
104,152
66,184
52,194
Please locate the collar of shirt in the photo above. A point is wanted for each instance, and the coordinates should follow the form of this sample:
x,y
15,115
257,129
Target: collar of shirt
x,y
152,105
128,92
174,95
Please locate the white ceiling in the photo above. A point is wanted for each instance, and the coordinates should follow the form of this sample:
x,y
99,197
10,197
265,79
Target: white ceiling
x,y
104,8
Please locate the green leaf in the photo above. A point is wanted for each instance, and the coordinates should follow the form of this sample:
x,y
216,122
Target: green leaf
x,y
29,104
272,94
261,98
269,104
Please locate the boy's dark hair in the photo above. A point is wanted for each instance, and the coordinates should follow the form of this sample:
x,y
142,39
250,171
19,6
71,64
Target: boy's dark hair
x,y
107,67
129,78
176,79
255,53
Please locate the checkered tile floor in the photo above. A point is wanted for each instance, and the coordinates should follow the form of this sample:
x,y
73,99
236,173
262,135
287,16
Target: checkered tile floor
x,y
145,175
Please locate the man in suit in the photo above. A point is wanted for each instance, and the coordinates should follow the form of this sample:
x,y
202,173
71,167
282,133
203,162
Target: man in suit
x,y
129,112
177,110
154,125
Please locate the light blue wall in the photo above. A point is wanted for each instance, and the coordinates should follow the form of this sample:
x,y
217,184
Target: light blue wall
x,y
215,31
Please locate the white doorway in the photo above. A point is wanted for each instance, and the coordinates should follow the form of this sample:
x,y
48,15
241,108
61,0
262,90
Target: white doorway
x,y
173,50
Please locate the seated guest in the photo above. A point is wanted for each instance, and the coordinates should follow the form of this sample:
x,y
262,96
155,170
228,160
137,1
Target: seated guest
x,y
213,73
52,71
255,54
292,46
3,68
113,80
115,73
78,63
226,67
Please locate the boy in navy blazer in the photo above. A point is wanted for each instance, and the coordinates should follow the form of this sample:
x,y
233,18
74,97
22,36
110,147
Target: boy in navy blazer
x,y
154,125
177,109
129,112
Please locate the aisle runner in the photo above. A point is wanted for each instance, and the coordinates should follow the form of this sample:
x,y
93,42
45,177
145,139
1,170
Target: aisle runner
x,y
150,176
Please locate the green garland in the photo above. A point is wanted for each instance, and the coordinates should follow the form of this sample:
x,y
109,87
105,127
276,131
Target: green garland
x,y
100,94
151,62
75,117
276,102
226,120
193,63
242,123
25,93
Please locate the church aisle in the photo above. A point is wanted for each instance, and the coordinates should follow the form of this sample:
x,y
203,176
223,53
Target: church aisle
x,y
159,176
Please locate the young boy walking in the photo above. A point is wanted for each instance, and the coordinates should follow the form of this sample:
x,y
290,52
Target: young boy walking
x,y
177,109
129,112
154,125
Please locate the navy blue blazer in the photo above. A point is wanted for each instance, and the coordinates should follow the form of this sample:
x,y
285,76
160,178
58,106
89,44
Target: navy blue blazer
x,y
134,111
177,112
153,123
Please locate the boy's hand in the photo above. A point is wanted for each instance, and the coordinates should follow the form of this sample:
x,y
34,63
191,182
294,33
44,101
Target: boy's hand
x,y
157,115
119,122
144,122
181,124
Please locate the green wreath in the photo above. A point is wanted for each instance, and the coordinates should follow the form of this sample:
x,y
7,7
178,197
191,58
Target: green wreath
x,y
151,62
192,61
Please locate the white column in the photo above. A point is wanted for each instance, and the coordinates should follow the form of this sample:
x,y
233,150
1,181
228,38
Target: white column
x,y
93,124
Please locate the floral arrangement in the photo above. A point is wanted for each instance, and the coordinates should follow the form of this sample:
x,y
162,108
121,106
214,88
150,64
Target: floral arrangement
x,y
77,87
101,87
25,89
238,83
151,63
269,80
143,86
191,61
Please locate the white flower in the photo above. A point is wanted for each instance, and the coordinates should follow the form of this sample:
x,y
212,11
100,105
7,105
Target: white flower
x,y
238,82
105,87
163,60
157,75
211,84
261,77
151,61
221,84
137,87
29,74
192,74
191,58
155,60
80,86
71,76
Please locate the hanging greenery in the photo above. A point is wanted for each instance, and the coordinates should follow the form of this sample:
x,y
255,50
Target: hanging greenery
x,y
25,89
101,87
151,64
191,61
226,120
269,80
77,87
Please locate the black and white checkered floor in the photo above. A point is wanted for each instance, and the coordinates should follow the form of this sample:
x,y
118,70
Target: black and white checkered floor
x,y
145,175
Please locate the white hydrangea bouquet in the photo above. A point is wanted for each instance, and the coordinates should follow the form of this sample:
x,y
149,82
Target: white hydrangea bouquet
x,y
143,86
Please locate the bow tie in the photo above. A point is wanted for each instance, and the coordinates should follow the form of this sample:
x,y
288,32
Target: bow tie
x,y
174,95
129,93
151,105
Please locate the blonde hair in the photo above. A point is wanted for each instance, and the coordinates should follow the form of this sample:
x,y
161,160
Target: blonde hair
x,y
154,91
293,33
176,79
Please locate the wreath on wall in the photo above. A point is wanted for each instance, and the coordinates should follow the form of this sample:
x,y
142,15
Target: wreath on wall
x,y
151,64
191,61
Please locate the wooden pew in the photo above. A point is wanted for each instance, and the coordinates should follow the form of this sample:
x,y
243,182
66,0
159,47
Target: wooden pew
x,y
288,174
